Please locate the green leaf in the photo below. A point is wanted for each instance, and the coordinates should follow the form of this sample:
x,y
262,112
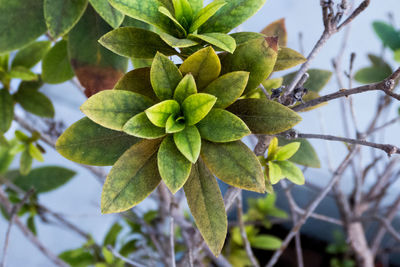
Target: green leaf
x,y
4,58
62,15
185,88
42,179
183,10
372,74
263,116
287,151
222,126
35,102
78,257
272,149
137,81
35,153
167,13
244,37
204,65
133,177
112,235
207,206
188,141
173,126
396,55
292,172
277,28
389,35
228,88
196,5
235,164
316,81
159,113
266,242
306,154
25,162
173,166
257,56
176,42
135,43
288,58
234,13
274,173
21,23
113,108
146,11
6,158
205,13
25,74
6,110
96,67
164,76
140,126
86,142
197,106
107,12
29,56
220,40
55,66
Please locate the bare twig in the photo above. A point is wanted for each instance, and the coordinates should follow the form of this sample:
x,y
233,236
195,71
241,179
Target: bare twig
x,y
125,259
313,205
389,149
386,86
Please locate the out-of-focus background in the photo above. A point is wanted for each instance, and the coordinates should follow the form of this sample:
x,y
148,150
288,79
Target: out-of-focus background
x,y
79,200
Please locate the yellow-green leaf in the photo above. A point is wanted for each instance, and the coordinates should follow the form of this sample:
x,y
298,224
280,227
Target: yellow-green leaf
x,y
137,81
257,56
291,171
274,173
6,110
107,12
86,142
140,126
134,42
133,177
264,116
62,15
113,108
185,88
221,40
306,154
188,141
288,58
207,206
174,167
222,126
204,65
173,125
206,13
228,88
56,67
196,107
164,76
235,164
287,151
159,113
176,42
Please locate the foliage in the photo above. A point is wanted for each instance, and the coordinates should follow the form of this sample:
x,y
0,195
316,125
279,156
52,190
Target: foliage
x,y
179,124
339,249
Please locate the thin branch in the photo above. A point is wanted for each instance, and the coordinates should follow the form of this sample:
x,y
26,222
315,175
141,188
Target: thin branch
x,y
313,205
386,86
331,21
126,260
389,149
243,233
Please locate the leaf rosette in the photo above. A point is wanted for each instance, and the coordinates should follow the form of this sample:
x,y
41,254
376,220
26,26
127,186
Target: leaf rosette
x,y
180,125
